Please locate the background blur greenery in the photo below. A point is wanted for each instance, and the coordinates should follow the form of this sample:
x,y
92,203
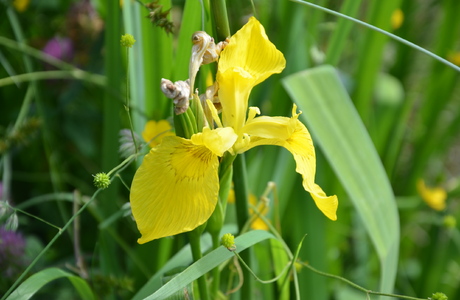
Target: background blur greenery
x,y
59,128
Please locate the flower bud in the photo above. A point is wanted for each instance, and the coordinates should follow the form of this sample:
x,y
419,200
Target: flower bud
x,y
449,221
438,296
101,180
127,40
228,241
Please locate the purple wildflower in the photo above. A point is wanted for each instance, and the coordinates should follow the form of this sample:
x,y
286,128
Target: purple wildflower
x,y
12,250
60,48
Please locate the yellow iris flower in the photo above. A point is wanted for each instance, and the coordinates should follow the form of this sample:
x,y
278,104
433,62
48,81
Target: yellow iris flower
x,y
155,131
176,187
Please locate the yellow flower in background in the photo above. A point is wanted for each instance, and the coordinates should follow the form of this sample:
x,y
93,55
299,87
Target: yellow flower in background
x,y
176,188
434,197
260,208
21,5
231,196
454,57
397,18
155,131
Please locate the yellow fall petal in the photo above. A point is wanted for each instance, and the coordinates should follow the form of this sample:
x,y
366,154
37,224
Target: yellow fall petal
x,y
175,189
155,131
247,60
291,134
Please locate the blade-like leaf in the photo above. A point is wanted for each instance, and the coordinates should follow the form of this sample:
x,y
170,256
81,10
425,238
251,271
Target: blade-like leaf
x,y
35,282
339,131
208,262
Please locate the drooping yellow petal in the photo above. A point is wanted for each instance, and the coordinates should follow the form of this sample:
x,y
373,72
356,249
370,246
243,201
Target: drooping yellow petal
x,y
291,134
247,60
155,131
434,197
175,189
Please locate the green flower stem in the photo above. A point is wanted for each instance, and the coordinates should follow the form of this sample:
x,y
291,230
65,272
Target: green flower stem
x,y
215,272
126,162
292,257
195,244
32,216
369,292
185,124
242,213
276,278
220,19
216,221
241,190
225,176
131,127
111,125
197,109
44,75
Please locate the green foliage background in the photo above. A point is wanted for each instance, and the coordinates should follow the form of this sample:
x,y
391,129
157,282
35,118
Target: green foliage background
x,y
383,115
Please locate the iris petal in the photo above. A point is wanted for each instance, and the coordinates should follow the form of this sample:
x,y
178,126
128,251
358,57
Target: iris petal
x,y
251,50
217,140
175,189
291,134
247,60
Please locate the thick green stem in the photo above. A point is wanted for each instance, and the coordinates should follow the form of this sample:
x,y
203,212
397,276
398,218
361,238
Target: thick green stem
x,y
220,18
131,127
216,221
242,213
215,271
241,190
195,244
110,128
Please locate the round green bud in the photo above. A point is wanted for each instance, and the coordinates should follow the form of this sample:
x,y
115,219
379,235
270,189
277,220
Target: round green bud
x,y
127,40
101,180
449,221
228,241
438,296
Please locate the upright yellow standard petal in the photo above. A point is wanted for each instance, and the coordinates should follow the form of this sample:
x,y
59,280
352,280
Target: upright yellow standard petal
x,y
247,60
175,189
291,134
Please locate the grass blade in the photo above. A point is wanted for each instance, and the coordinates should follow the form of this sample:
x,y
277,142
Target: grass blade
x,y
208,262
35,282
